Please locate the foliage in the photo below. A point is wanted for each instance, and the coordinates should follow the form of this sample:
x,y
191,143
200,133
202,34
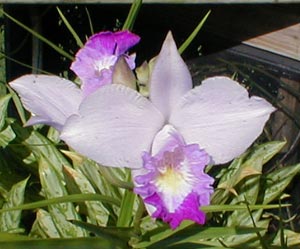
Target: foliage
x,y
53,197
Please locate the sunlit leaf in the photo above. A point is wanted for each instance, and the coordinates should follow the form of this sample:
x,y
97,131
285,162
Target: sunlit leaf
x,y
52,186
71,198
43,226
96,211
82,243
6,136
277,181
292,239
3,109
11,220
197,235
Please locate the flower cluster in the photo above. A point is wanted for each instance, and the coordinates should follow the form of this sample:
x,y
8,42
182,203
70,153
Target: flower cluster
x,y
167,139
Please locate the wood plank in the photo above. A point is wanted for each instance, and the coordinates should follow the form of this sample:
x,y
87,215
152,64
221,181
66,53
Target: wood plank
x,y
284,42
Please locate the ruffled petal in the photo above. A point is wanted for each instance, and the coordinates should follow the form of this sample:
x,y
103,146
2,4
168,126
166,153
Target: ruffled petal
x,y
220,116
170,78
173,183
189,210
114,126
112,42
50,99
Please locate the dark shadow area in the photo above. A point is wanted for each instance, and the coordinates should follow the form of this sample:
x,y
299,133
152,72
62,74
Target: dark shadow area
x,y
226,27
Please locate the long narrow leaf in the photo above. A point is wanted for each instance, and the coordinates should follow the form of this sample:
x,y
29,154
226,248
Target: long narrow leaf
x,y
82,243
68,198
191,37
39,36
133,12
70,28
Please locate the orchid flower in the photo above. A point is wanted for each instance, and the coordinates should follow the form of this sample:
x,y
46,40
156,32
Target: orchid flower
x,y
51,99
95,61
115,125
169,138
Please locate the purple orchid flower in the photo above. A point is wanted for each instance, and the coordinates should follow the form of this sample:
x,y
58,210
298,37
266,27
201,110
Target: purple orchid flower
x,y
169,138
52,99
119,123
173,183
95,61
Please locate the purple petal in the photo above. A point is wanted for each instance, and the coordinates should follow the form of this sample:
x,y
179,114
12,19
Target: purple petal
x,y
221,117
50,99
173,183
114,126
170,78
189,210
95,61
108,43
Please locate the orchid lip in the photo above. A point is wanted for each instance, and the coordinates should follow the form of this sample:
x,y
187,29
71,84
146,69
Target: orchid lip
x,y
173,181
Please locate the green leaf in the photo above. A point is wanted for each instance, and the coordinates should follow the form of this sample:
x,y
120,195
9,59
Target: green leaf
x,y
31,145
245,171
159,234
68,198
192,234
3,109
82,243
43,226
62,212
69,27
119,233
11,220
241,240
126,210
6,136
292,238
4,236
39,36
133,12
276,181
97,213
18,105
201,235
241,206
191,37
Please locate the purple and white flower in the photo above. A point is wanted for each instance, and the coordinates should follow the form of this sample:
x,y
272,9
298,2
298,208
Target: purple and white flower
x,y
115,125
173,183
52,100
167,139
94,62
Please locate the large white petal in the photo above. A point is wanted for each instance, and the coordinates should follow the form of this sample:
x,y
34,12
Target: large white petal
x,y
221,118
170,78
50,99
114,126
